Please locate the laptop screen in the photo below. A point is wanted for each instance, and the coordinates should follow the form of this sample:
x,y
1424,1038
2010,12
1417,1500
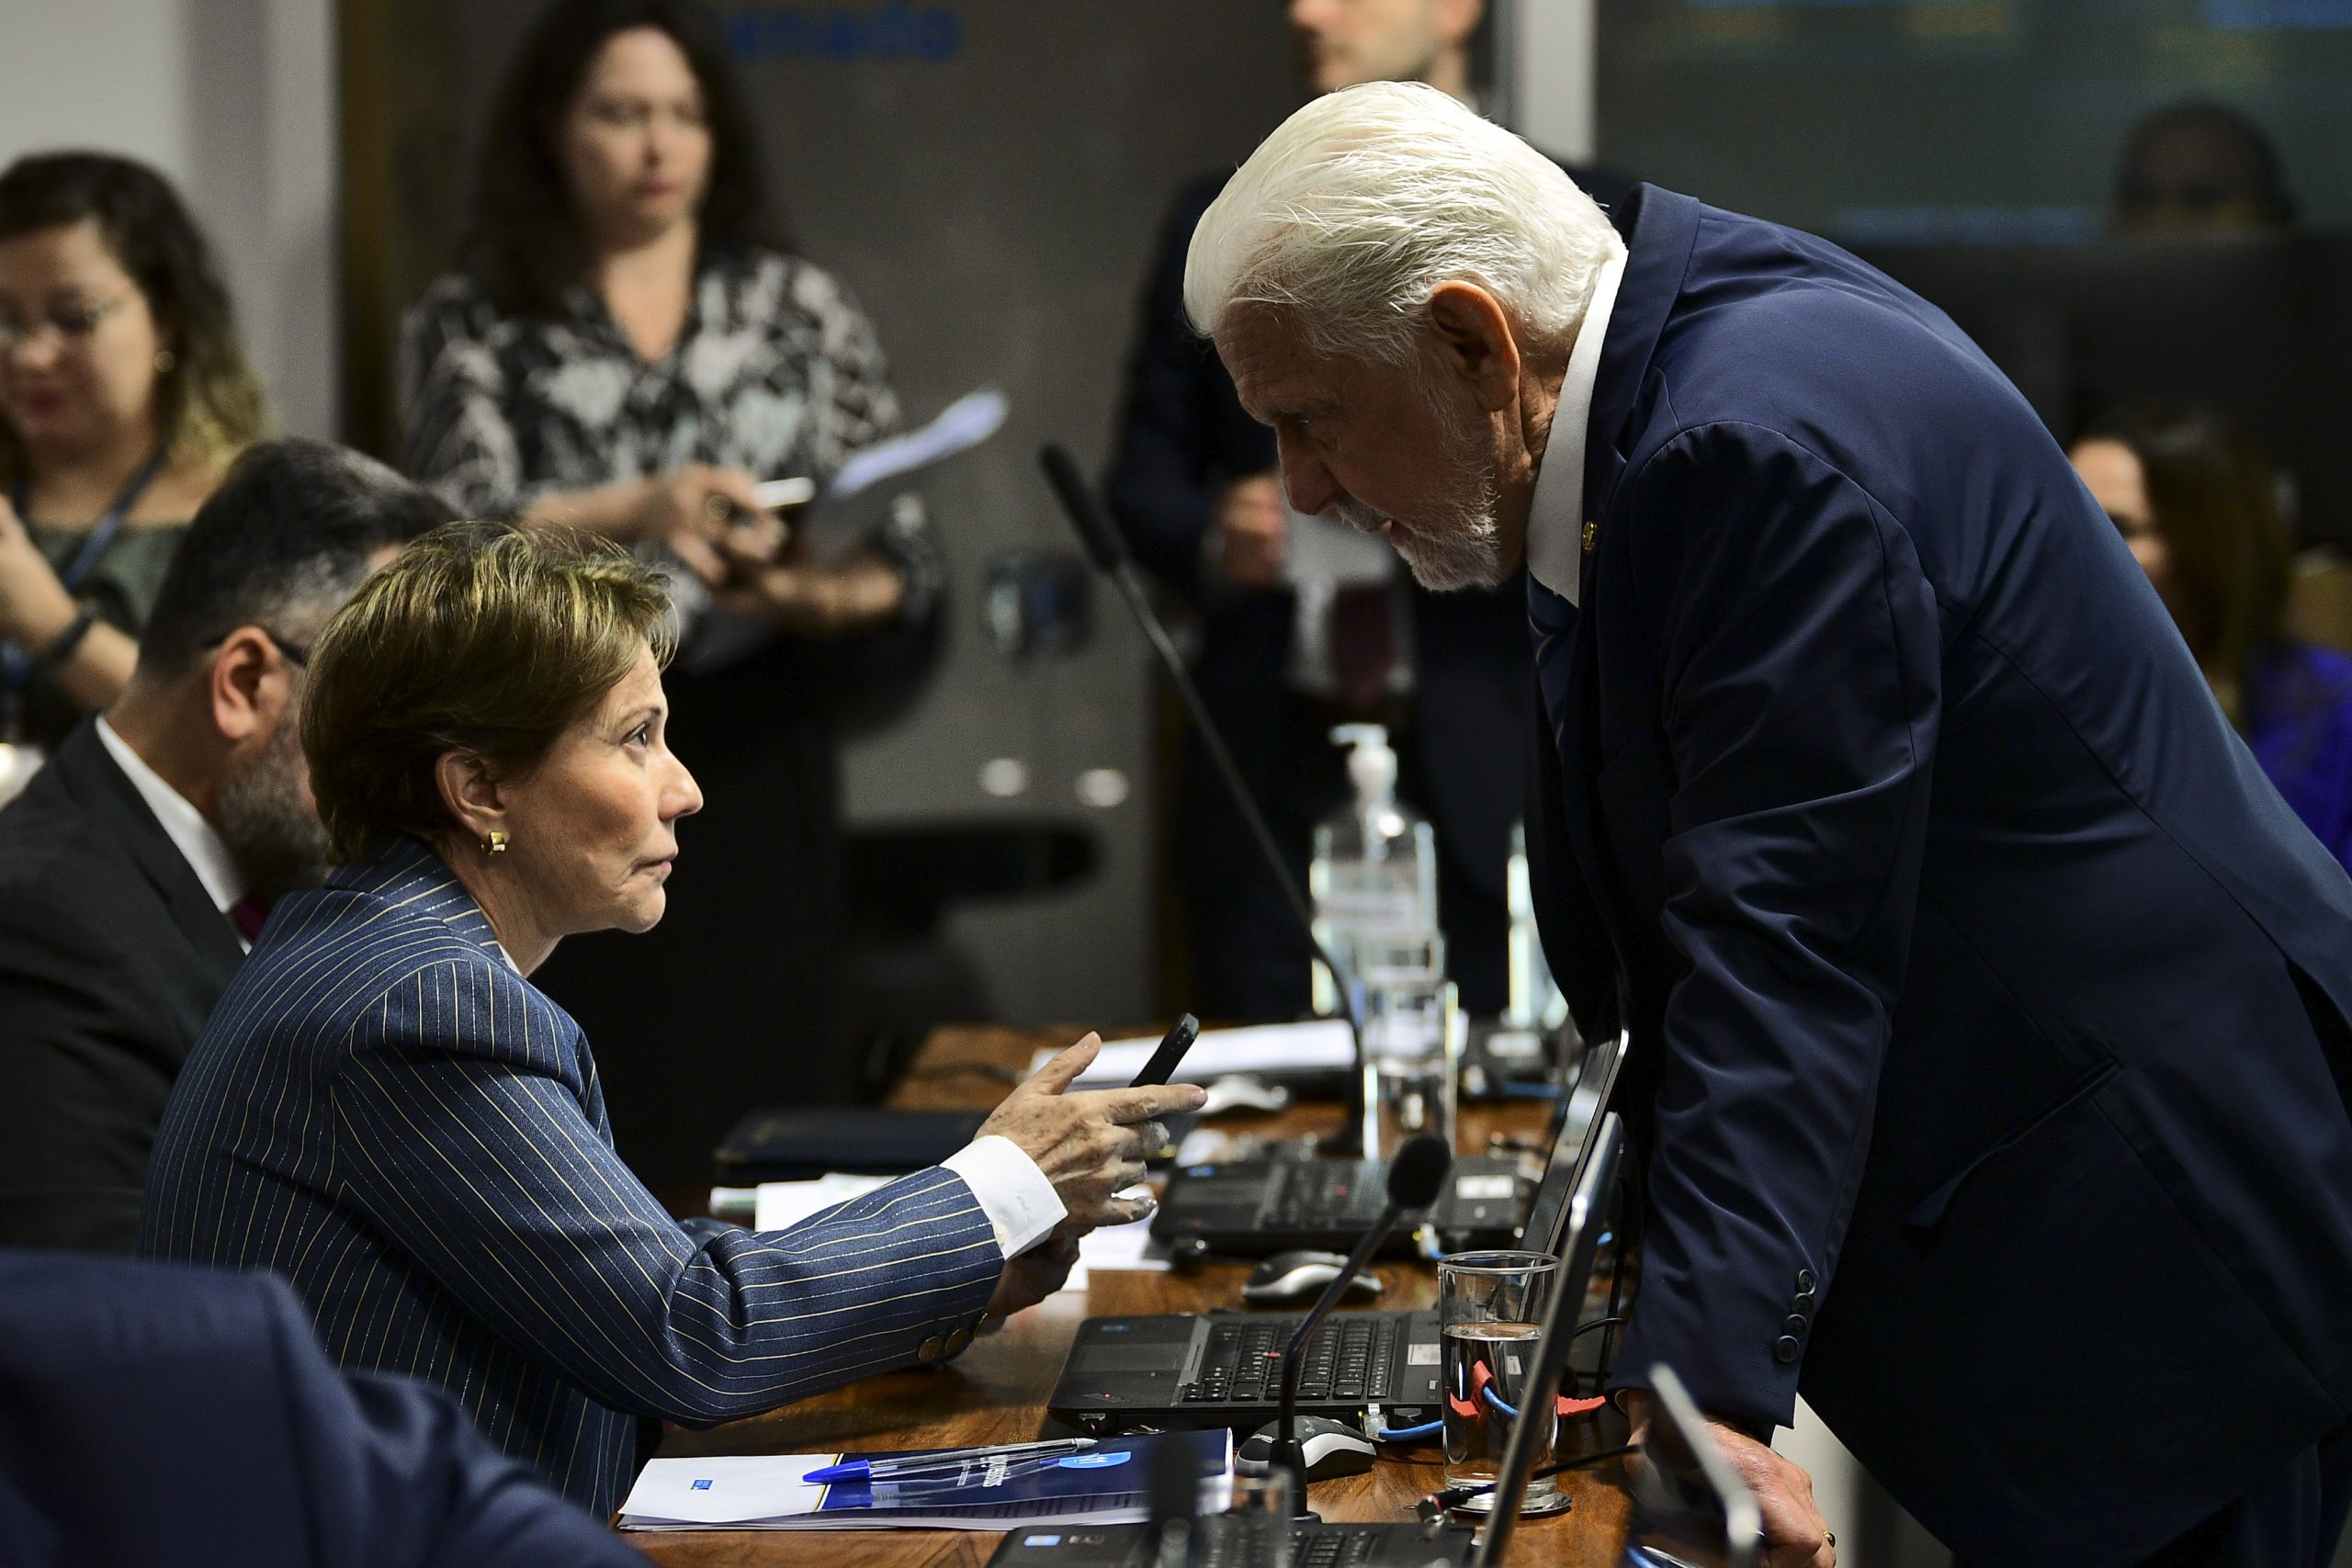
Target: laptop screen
x,y
1690,1509
1531,1441
1572,1140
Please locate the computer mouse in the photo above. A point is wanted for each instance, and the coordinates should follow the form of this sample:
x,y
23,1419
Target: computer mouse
x,y
1240,1092
1331,1447
1300,1276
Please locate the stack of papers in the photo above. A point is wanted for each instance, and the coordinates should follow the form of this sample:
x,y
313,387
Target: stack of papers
x,y
1107,1483
1269,1050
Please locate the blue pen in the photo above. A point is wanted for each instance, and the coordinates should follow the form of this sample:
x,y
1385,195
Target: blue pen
x,y
915,1464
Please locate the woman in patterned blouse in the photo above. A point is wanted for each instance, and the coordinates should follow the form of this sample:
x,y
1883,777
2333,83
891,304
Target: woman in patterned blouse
x,y
626,349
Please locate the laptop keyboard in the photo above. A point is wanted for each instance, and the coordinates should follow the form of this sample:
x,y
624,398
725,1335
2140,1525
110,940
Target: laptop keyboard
x,y
1230,1543
1322,1195
1353,1356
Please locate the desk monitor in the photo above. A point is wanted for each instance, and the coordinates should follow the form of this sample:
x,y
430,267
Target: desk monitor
x,y
1690,1509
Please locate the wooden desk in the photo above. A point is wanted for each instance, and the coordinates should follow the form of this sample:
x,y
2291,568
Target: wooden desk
x,y
995,1392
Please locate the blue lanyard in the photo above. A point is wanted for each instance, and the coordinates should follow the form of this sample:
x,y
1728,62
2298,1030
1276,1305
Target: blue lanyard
x,y
17,663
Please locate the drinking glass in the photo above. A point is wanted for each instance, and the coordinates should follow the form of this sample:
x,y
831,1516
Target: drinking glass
x,y
1413,1035
1490,1313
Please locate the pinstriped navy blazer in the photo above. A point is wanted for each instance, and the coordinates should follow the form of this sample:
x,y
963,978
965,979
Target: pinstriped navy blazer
x,y
384,1111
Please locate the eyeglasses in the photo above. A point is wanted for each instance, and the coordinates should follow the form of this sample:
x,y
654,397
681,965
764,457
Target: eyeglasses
x,y
73,326
294,653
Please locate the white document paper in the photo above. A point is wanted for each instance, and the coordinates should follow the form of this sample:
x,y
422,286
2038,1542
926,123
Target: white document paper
x,y
961,425
1117,1248
783,1204
734,1491
1321,1044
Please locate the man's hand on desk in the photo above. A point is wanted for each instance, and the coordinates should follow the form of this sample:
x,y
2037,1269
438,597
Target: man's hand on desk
x,y
1795,1535
1090,1145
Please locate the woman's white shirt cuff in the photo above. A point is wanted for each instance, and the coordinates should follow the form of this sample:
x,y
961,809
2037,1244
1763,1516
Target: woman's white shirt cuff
x,y
1022,1205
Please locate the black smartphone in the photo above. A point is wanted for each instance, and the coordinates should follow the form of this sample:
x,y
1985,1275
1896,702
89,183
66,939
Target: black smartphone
x,y
1172,1046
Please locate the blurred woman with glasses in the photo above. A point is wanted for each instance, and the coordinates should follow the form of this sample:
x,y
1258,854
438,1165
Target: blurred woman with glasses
x,y
124,395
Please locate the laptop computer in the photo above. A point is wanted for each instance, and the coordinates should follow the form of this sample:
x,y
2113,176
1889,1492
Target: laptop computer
x,y
1255,1208
1235,1542
1172,1371
1691,1510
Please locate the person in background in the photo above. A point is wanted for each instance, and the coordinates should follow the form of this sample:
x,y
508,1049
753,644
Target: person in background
x,y
161,1417
387,1111
1283,661
627,347
124,395
2200,168
137,867
2200,508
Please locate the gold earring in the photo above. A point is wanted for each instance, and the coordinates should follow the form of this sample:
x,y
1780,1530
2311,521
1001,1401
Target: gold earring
x,y
164,360
495,844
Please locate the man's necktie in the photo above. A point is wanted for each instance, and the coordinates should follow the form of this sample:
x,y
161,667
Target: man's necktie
x,y
249,914
1363,644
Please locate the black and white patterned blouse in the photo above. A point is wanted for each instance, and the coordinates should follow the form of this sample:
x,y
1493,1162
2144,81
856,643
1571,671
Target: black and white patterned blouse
x,y
777,373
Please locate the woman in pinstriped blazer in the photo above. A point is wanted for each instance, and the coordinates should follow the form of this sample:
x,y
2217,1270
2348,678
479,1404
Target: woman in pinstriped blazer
x,y
384,1109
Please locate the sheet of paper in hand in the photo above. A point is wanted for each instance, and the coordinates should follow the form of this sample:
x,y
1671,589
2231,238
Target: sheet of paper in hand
x,y
837,517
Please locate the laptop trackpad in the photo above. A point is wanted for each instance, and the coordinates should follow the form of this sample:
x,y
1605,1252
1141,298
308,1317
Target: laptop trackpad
x,y
1154,1344
1096,1359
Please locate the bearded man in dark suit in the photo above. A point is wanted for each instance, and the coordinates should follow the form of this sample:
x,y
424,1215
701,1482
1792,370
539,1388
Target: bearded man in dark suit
x,y
136,865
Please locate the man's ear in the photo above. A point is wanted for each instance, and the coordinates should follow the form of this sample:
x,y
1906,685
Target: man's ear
x,y
249,685
470,793
1475,343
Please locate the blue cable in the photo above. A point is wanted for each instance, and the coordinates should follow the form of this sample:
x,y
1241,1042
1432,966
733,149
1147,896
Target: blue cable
x,y
1431,1428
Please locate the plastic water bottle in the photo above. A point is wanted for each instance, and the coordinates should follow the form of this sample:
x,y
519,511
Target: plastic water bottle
x,y
1373,877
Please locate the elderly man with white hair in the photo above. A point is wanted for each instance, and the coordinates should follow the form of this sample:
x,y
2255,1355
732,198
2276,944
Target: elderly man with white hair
x,y
1992,1015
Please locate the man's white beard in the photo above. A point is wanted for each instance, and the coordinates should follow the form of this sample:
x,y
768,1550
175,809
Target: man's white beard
x,y
1461,545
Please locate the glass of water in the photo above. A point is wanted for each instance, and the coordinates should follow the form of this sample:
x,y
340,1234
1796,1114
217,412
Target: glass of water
x,y
1413,1033
1490,1313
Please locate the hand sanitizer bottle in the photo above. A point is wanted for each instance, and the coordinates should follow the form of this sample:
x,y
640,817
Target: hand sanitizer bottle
x,y
1374,876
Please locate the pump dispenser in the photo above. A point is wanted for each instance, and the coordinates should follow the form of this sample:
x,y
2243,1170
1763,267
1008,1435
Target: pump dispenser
x,y
1373,877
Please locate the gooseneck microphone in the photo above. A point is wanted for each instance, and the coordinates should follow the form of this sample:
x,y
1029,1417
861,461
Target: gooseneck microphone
x,y
1109,552
1415,1177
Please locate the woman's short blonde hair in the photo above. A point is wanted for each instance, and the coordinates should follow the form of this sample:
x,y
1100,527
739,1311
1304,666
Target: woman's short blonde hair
x,y
480,637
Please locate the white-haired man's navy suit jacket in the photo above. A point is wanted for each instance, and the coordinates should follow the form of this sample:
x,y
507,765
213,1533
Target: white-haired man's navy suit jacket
x,y
386,1112
1990,1006
153,1416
